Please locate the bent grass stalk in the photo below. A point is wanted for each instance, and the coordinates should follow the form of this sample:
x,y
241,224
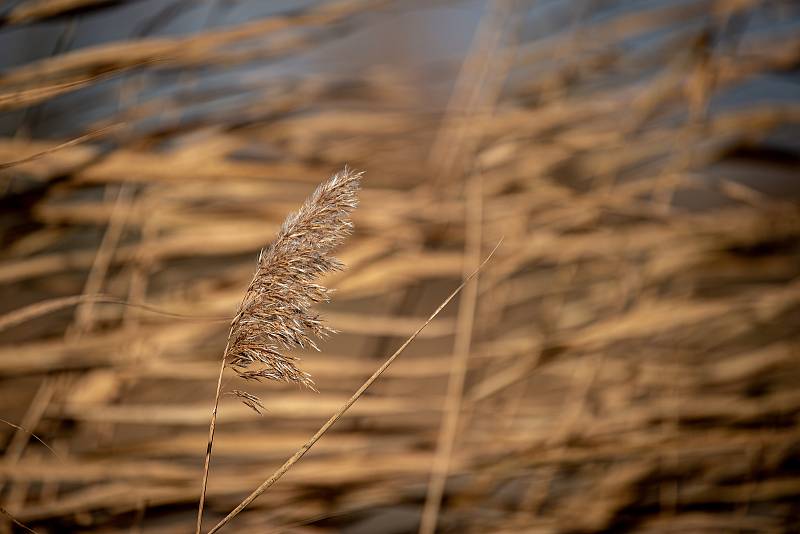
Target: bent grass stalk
x,y
44,307
336,416
275,314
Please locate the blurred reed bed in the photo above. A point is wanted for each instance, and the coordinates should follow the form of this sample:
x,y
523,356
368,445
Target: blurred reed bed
x,y
628,361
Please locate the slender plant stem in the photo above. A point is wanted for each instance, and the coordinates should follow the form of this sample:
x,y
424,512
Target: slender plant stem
x,y
335,417
15,521
211,427
32,311
467,305
34,436
72,142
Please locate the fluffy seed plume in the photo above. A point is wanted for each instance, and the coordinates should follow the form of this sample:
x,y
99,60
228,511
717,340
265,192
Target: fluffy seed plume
x,y
276,312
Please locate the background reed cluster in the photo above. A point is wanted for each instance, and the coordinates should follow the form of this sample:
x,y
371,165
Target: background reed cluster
x,y
627,362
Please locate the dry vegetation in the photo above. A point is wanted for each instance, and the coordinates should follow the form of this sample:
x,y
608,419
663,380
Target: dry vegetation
x,y
627,361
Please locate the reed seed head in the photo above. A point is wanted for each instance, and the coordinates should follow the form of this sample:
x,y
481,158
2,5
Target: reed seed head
x,y
276,313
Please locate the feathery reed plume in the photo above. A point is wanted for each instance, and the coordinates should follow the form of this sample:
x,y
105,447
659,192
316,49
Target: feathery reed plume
x,y
275,314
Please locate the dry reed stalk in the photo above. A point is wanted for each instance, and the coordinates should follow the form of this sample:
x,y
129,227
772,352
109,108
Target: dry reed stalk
x,y
37,309
455,140
44,307
459,363
28,12
45,79
275,313
34,436
83,317
66,144
16,521
346,406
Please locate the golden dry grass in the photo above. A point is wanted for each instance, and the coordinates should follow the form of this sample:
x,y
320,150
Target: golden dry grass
x,y
628,360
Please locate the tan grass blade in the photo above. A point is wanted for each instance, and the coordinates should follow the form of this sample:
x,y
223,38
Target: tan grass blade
x,y
458,372
66,144
15,521
37,309
335,417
